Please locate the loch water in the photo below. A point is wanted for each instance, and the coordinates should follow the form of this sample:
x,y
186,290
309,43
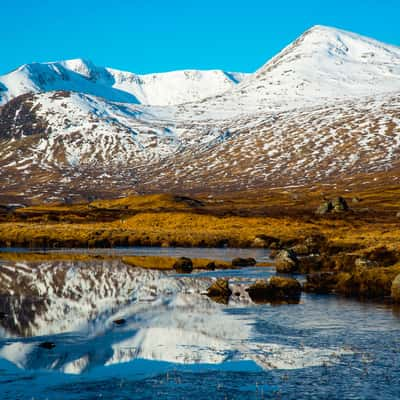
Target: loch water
x,y
102,330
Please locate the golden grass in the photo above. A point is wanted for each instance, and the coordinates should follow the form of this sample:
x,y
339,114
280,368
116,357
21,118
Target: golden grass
x,y
148,202
187,229
43,257
235,220
153,229
167,263
164,263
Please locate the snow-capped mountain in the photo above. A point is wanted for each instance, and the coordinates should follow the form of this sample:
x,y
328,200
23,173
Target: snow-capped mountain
x,y
325,108
322,65
83,76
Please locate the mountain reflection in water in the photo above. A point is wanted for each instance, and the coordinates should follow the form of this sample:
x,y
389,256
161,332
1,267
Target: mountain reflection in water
x,y
59,339
167,319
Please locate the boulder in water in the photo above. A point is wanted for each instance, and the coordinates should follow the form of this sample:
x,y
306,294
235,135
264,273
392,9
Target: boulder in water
x,y
120,321
47,345
286,261
244,262
183,265
320,282
219,291
211,266
395,292
277,289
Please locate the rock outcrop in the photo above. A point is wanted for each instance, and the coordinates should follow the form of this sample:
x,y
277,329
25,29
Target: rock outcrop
x,y
286,261
277,289
395,291
219,291
183,265
243,262
336,205
321,283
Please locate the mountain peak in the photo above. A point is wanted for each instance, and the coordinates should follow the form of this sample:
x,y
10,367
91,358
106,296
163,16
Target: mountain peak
x,y
323,34
331,31
321,28
323,65
323,46
80,65
78,62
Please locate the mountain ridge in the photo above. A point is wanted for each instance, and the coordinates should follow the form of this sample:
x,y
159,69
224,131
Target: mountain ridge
x,y
80,75
328,100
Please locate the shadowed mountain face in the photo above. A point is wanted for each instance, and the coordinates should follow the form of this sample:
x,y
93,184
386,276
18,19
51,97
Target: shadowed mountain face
x,y
324,110
18,118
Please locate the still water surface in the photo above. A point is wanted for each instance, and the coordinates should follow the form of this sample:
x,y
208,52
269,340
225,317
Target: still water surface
x,y
176,343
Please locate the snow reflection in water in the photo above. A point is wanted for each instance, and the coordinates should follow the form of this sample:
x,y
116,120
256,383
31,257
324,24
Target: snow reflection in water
x,y
167,319
170,326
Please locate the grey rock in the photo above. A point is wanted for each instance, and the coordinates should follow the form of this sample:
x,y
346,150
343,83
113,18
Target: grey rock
x,y
286,261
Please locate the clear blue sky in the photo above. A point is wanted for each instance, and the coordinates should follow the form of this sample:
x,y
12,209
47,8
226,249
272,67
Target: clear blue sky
x,y
162,35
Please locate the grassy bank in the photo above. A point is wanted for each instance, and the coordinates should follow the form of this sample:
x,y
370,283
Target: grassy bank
x,y
275,219
164,263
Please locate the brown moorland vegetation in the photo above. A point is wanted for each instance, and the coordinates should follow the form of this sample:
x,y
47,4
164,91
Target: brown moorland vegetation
x,y
361,246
